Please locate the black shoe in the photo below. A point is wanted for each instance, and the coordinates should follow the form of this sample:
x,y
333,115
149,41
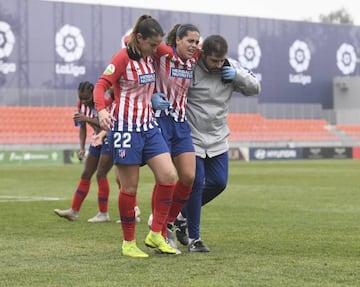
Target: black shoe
x,y
181,235
198,246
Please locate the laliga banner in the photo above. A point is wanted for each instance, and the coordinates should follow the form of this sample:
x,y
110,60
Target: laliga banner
x,y
295,61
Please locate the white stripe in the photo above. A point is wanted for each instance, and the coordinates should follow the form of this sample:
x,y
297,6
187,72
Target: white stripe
x,y
6,198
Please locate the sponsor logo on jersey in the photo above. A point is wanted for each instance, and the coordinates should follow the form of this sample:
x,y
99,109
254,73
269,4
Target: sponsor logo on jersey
x,y
181,73
147,78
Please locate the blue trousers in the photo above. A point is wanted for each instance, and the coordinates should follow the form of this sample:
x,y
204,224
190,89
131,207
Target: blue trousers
x,y
210,180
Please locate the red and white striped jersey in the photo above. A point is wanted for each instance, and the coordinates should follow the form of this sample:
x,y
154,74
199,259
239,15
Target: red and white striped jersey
x,y
90,112
134,83
173,77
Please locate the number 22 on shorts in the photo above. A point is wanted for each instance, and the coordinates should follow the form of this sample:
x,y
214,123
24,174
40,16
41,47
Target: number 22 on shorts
x,y
122,140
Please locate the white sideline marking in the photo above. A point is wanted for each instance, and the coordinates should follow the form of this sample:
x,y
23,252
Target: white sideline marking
x,y
4,198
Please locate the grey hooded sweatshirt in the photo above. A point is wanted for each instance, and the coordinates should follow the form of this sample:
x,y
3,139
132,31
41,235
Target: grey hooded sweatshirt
x,y
208,102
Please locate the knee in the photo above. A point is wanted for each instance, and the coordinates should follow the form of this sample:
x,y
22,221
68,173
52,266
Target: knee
x,y
87,175
172,176
100,174
167,176
187,179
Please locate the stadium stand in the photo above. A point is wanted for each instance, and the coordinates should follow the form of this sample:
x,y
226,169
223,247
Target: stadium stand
x,y
254,127
352,131
38,125
54,125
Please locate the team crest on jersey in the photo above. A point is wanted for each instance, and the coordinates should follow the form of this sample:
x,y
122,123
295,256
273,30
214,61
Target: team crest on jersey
x,y
109,69
181,73
147,78
122,153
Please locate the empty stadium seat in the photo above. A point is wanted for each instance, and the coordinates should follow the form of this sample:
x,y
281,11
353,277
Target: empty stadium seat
x,y
38,125
254,127
54,125
352,131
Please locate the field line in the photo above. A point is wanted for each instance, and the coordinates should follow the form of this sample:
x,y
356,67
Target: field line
x,y
6,198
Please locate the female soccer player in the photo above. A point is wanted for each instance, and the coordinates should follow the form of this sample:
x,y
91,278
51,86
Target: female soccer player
x,y
174,63
99,158
135,139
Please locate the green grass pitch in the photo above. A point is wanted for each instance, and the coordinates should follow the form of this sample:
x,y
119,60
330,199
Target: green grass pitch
x,y
286,223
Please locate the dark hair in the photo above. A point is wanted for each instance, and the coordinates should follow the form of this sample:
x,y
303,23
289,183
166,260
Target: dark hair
x,y
148,27
215,45
85,86
179,30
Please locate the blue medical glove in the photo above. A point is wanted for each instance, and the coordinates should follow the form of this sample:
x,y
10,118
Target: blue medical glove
x,y
159,101
228,73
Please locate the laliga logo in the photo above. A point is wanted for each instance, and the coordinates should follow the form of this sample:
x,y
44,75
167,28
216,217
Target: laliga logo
x,y
7,40
69,43
346,59
300,56
249,53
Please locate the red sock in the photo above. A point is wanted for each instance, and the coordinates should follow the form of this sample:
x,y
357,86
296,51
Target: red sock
x,y
164,230
126,204
80,194
181,195
162,196
103,194
153,199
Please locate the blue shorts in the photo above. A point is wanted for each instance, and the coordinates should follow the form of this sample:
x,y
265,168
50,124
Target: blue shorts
x,y
136,148
177,135
103,149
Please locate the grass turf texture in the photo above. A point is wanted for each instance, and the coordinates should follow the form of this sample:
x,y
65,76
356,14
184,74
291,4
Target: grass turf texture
x,y
288,223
